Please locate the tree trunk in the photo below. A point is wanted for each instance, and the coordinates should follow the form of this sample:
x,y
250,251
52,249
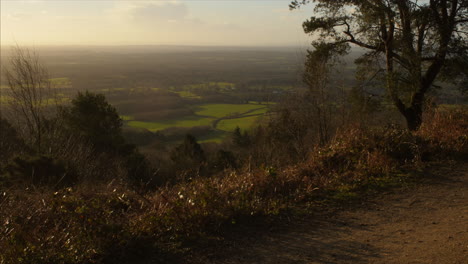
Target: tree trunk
x,y
413,116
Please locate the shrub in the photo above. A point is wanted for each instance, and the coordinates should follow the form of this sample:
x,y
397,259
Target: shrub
x,y
40,170
188,156
446,131
10,142
93,118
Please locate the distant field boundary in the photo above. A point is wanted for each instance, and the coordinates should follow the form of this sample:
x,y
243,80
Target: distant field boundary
x,y
241,115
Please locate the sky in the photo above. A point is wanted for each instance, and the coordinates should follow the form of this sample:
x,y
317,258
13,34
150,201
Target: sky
x,y
161,22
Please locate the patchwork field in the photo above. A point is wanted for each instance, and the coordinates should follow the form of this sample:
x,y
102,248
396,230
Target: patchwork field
x,y
224,110
189,121
222,118
184,107
141,104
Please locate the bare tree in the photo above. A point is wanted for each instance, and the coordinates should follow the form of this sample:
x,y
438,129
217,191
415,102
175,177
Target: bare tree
x,y
30,94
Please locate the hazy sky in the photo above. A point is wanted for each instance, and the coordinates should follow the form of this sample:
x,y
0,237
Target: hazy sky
x,y
181,22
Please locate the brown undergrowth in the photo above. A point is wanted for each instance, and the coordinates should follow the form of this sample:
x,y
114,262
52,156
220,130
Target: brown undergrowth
x,y
114,224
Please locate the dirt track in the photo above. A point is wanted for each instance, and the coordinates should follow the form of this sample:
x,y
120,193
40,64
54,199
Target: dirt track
x,y
427,223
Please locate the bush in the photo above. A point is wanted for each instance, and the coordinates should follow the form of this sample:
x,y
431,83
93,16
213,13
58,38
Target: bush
x,y
40,170
10,142
188,157
446,131
91,117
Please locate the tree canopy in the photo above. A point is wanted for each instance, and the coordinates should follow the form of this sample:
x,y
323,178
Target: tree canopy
x,y
93,118
189,154
412,41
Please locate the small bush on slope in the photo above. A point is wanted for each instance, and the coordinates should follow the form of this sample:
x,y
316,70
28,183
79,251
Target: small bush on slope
x,y
446,132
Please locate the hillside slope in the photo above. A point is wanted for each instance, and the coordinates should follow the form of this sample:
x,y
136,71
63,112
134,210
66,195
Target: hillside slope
x,y
427,223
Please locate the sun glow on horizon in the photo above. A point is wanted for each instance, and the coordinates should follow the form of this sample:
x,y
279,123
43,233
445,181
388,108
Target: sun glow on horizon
x,y
226,23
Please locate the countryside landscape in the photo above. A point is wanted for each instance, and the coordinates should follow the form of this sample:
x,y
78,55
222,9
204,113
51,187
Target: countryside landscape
x,y
334,133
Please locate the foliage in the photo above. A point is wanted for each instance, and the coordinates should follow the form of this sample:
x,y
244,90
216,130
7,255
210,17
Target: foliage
x,y
454,142
363,103
10,142
224,160
29,95
188,156
416,41
241,139
139,171
38,171
110,223
91,117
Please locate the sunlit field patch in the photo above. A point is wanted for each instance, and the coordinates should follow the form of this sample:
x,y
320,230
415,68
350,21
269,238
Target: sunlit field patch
x,y
244,115
222,110
188,94
57,101
258,112
126,117
190,121
4,98
62,82
262,103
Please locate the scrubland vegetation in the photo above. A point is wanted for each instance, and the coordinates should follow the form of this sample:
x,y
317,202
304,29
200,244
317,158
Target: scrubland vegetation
x,y
74,189
106,219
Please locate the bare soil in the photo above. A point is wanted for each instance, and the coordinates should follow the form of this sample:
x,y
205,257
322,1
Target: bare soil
x,y
426,223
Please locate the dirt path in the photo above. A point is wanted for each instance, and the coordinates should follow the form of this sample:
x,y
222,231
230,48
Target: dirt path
x,y
424,224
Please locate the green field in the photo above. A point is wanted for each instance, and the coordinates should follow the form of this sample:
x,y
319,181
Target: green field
x,y
48,101
106,90
62,82
127,117
56,82
4,98
222,110
244,123
258,111
188,94
205,115
220,85
188,121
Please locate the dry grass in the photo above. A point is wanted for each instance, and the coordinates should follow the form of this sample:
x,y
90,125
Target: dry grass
x,y
447,130
106,223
